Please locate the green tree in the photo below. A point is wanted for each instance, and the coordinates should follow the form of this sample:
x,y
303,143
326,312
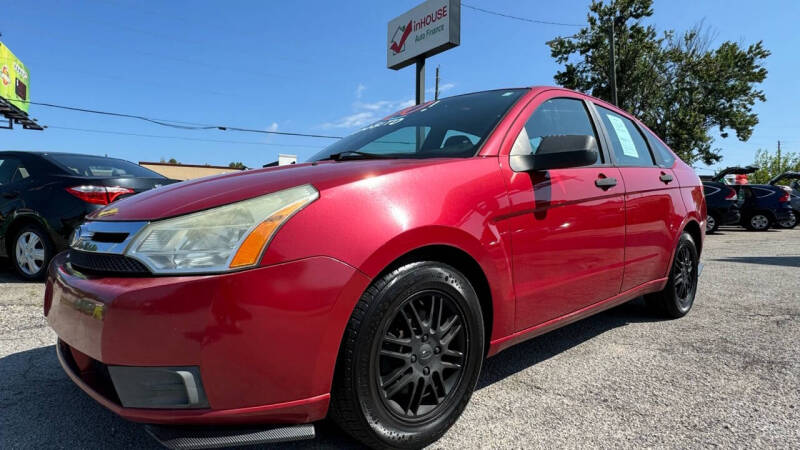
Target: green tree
x,y
773,164
237,165
679,87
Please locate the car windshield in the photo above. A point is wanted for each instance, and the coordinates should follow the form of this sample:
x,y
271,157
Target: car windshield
x,y
454,127
98,166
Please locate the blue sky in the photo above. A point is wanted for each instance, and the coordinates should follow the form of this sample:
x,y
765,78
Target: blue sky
x,y
313,66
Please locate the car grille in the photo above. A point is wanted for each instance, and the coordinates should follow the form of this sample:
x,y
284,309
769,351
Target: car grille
x,y
105,264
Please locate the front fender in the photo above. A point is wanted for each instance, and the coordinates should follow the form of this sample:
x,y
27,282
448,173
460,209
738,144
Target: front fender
x,y
489,252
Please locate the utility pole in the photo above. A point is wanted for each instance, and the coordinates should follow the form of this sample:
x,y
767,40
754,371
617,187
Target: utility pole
x,y
780,162
436,91
613,70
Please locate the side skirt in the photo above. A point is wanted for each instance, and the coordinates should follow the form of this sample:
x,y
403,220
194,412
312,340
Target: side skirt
x,y
498,345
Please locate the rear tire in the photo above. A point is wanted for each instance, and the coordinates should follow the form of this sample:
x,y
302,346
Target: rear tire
x,y
713,221
30,250
408,362
677,297
757,221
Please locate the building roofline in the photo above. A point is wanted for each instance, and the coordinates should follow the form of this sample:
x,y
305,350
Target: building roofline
x,y
186,165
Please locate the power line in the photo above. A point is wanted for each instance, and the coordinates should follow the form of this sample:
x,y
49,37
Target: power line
x,y
523,19
182,138
181,124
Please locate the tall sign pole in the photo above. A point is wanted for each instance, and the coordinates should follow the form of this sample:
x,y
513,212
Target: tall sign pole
x,y
613,63
420,89
426,30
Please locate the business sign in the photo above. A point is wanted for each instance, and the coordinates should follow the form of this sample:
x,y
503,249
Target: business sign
x,y
426,30
14,79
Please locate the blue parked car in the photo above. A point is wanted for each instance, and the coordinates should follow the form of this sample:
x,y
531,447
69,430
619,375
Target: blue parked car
x,y
760,205
722,204
794,193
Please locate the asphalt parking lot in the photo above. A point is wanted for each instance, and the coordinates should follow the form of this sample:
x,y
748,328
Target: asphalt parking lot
x,y
726,375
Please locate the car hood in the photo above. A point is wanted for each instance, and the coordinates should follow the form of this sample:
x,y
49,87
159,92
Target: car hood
x,y
204,193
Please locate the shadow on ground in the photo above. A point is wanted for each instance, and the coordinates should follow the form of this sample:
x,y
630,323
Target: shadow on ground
x,y
787,261
41,408
8,275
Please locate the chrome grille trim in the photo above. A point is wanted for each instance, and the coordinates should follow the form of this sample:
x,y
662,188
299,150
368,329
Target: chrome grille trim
x,y
83,236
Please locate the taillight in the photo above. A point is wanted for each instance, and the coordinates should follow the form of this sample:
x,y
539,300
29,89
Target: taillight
x,y
785,197
98,195
731,194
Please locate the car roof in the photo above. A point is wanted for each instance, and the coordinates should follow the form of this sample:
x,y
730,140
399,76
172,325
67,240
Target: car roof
x,y
46,153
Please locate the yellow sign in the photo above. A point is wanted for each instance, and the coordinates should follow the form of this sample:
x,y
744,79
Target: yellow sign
x,y
14,79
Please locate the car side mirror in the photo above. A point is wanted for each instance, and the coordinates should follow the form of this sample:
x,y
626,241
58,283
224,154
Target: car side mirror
x,y
558,152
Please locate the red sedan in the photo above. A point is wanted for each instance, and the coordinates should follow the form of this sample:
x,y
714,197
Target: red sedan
x,y
370,283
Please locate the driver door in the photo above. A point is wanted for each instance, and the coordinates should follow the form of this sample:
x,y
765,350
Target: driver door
x,y
567,226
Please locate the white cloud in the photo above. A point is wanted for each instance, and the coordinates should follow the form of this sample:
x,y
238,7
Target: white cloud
x,y
444,87
358,119
273,127
367,112
360,90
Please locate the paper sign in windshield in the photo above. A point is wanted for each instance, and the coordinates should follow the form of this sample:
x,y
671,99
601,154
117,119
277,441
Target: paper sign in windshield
x,y
624,137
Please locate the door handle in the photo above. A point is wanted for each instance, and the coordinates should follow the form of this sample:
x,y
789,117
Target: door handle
x,y
665,177
604,182
13,194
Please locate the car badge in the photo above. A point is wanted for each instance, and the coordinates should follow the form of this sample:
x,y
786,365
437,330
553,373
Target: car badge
x,y
108,212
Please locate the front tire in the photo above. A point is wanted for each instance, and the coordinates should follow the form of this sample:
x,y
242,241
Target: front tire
x,y
410,358
31,250
758,221
677,297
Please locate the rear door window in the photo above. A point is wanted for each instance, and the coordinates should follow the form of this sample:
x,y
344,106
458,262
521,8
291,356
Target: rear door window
x,y
627,142
12,171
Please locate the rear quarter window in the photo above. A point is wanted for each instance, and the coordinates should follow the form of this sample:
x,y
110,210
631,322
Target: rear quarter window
x,y
99,166
664,156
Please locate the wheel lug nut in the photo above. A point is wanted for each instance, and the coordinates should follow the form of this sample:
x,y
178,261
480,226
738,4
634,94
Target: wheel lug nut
x,y
426,371
424,337
413,358
437,350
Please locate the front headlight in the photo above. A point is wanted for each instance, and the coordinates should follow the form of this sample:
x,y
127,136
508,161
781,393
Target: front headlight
x,y
219,239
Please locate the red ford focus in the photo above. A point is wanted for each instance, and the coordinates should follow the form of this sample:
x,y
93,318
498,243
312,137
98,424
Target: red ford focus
x,y
370,283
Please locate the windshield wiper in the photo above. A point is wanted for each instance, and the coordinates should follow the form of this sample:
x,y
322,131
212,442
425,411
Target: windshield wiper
x,y
355,154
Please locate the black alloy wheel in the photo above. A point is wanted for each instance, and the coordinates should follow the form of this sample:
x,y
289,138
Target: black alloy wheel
x,y
421,357
677,297
684,278
410,357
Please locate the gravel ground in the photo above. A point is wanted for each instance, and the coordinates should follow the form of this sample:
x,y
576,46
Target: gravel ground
x,y
726,375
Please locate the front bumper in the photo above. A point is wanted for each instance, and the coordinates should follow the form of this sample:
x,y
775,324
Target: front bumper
x,y
263,341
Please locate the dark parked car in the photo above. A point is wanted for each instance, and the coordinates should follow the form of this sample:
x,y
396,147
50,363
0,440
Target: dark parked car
x,y
794,197
721,203
760,205
44,196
